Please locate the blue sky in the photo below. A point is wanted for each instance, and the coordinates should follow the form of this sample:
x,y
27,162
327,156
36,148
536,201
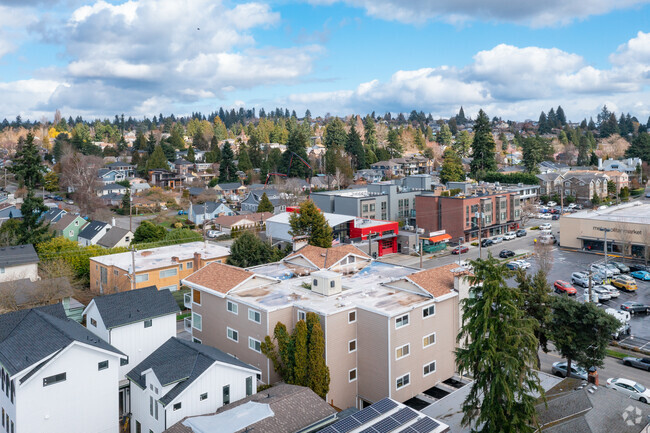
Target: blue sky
x,y
143,57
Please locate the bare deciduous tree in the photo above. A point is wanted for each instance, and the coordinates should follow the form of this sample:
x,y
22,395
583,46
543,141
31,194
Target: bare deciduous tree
x,y
544,256
79,174
527,212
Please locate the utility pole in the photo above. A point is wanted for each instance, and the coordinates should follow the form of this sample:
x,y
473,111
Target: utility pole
x,y
479,216
590,284
421,245
606,230
460,251
131,210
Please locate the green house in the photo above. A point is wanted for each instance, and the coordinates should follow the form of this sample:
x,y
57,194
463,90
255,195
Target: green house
x,y
69,226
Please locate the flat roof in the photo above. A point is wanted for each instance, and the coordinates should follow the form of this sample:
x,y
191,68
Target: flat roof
x,y
363,290
332,219
161,257
635,212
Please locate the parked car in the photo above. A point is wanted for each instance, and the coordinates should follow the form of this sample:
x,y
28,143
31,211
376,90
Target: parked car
x,y
580,279
497,240
613,291
214,233
545,226
621,267
555,217
635,307
546,216
595,267
564,287
630,388
509,236
513,266
615,270
523,264
571,206
551,204
641,275
577,372
182,212
624,282
642,363
579,207
599,293
460,250
547,239
486,242
504,254
520,233
639,267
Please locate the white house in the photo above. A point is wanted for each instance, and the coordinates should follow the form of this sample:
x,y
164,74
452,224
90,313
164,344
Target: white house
x,y
18,263
209,210
92,233
57,377
116,237
136,322
182,379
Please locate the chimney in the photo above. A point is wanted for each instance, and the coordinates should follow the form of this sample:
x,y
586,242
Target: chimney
x,y
174,259
113,222
600,163
197,261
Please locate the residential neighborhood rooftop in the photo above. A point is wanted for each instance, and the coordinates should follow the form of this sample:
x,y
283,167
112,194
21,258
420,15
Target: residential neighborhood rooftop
x,y
155,258
18,255
634,212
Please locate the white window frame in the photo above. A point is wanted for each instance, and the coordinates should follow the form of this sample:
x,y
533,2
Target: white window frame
x,y
253,311
235,309
299,313
355,345
174,270
171,288
189,265
236,333
408,348
408,376
356,375
194,315
435,340
142,278
253,340
426,309
355,316
428,364
408,321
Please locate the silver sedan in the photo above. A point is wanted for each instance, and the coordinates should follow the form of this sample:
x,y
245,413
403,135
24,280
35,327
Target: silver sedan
x,y
642,363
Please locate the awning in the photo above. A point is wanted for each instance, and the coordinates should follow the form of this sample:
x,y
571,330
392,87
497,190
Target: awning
x,y
440,238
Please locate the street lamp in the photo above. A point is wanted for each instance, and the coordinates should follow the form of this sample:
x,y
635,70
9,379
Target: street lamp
x,y
606,230
460,251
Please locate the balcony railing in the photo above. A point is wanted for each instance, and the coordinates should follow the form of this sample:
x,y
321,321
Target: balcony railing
x,y
187,300
187,324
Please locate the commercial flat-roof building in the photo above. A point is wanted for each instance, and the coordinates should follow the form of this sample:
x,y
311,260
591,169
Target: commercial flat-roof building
x,y
628,225
389,330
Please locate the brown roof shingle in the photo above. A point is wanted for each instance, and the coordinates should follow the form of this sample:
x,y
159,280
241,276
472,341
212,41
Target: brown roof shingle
x,y
327,257
229,220
219,277
437,281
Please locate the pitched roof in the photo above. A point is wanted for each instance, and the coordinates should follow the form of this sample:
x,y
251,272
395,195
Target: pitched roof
x,y
119,164
437,281
18,255
324,258
210,207
91,230
29,336
54,214
294,408
181,161
229,220
181,362
112,237
229,185
219,277
113,186
123,308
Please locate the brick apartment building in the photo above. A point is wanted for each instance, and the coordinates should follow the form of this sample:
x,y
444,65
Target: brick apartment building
x,y
162,267
457,215
389,330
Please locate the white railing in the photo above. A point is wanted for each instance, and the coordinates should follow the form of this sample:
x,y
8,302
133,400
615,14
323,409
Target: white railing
x,y
187,324
187,300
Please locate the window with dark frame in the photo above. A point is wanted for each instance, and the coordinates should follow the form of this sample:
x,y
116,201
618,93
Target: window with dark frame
x,y
51,380
148,323
102,365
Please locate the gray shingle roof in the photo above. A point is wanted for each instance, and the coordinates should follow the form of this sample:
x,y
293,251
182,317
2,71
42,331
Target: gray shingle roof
x,y
53,215
112,237
91,230
229,186
18,255
29,336
181,362
119,309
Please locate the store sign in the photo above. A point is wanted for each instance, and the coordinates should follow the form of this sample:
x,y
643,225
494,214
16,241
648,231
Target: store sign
x,y
438,233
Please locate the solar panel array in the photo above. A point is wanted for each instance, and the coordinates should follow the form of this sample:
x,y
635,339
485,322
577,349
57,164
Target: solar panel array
x,y
424,425
386,425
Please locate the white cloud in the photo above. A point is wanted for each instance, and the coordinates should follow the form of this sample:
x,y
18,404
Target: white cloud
x,y
506,80
529,12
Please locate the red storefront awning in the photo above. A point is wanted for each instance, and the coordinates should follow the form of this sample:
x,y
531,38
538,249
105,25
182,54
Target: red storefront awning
x,y
440,238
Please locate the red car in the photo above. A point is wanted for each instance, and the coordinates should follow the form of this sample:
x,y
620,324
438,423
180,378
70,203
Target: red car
x,y
564,287
460,250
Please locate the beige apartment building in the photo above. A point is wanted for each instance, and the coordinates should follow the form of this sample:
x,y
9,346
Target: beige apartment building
x,y
389,330
163,267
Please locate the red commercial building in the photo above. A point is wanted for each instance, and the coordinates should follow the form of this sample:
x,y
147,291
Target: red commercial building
x,y
382,232
458,216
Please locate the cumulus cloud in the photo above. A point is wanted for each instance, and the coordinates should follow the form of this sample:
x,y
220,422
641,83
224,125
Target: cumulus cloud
x,y
508,80
126,55
528,12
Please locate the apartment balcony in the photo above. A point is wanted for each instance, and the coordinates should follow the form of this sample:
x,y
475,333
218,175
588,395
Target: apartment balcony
x,y
187,300
187,324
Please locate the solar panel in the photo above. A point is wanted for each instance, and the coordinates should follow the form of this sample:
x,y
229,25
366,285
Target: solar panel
x,y
404,415
365,415
385,405
346,424
368,430
425,425
386,425
329,429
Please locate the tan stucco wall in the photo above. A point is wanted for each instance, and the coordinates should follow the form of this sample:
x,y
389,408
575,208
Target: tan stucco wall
x,y
572,228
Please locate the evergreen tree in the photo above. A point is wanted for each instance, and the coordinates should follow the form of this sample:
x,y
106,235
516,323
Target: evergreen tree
x,y
561,117
535,150
536,303
157,160
227,169
296,145
394,143
265,204
497,348
335,135
609,126
444,135
460,117
593,159
311,222
319,372
151,143
640,147
243,161
148,232
301,355
191,156
51,180
543,126
483,147
32,229
27,163
463,144
126,200
176,138
249,250
355,148
583,151
552,119
370,132
452,167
